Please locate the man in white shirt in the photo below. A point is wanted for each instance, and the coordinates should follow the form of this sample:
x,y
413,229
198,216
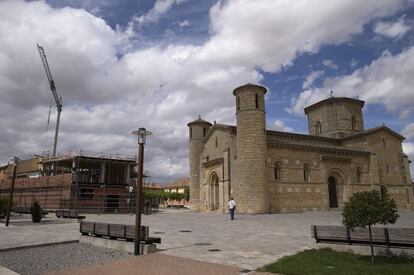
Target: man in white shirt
x,y
131,199
232,208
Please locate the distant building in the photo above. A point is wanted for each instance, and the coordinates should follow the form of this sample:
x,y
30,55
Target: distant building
x,y
272,171
151,186
182,186
95,183
178,186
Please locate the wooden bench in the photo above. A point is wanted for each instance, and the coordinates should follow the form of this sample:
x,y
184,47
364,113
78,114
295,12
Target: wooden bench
x,y
67,213
391,237
116,231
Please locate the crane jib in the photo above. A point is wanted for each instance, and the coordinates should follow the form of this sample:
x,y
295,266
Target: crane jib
x,y
58,99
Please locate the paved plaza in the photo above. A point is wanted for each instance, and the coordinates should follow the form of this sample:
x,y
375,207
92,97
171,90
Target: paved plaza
x,y
248,242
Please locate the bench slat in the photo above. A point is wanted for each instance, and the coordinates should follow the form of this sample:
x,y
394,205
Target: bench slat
x,y
380,235
87,227
101,229
117,230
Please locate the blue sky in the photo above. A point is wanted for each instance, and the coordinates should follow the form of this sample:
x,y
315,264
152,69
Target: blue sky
x,y
159,64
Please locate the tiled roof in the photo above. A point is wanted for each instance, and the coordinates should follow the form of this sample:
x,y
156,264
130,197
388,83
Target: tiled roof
x,y
152,185
199,121
178,183
334,99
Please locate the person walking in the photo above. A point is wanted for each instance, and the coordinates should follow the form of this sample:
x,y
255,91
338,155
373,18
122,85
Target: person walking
x,y
232,208
131,199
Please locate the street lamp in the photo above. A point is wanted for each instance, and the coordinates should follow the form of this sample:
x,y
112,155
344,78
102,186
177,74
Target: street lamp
x,y
142,135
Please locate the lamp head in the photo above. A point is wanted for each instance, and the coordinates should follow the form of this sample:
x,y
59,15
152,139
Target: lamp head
x,y
142,134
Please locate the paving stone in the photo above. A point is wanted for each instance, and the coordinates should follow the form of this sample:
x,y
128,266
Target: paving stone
x,y
249,241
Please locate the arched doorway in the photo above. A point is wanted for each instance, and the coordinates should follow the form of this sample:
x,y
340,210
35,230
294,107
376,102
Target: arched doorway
x,y
214,192
333,195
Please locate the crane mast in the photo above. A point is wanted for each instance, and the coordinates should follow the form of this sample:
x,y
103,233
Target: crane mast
x,y
58,99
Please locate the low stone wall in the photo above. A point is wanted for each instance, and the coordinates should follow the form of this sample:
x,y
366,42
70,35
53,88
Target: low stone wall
x,y
116,244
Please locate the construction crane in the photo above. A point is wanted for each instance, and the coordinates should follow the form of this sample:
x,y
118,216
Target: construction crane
x,y
58,99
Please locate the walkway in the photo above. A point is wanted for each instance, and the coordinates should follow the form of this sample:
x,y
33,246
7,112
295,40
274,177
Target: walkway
x,y
248,242
153,264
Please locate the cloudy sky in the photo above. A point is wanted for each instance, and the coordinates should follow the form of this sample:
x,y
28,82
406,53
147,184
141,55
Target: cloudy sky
x,y
160,63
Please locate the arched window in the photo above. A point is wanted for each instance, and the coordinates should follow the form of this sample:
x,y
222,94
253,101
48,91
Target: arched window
x,y
277,171
238,102
191,132
318,127
353,123
359,174
306,173
387,168
257,101
204,132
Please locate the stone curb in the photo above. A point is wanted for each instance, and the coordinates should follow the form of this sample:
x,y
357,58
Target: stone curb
x,y
37,245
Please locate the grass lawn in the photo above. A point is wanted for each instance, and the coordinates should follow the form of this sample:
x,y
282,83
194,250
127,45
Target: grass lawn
x,y
328,261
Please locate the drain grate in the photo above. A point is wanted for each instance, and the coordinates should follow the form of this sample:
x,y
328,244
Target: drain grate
x,y
202,244
185,231
246,271
159,232
214,250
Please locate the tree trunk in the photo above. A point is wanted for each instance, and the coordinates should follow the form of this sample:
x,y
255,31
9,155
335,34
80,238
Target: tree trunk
x,y
370,242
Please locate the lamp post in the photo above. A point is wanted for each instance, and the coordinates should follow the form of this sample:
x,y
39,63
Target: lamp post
x,y
142,134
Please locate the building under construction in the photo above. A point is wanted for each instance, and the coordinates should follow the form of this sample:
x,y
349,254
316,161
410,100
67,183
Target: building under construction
x,y
88,182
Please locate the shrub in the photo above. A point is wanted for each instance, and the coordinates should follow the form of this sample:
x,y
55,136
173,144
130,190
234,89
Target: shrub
x,y
36,211
4,203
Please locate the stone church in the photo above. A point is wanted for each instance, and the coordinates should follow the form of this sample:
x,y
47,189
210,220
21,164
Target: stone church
x,y
272,171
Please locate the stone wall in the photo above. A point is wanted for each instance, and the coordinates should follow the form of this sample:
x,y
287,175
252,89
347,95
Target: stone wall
x,y
48,191
197,131
335,116
290,193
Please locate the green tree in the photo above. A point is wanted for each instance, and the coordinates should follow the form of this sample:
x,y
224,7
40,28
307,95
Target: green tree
x,y
369,208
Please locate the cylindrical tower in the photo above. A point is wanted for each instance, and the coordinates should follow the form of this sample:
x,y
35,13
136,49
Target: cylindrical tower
x,y
198,129
251,187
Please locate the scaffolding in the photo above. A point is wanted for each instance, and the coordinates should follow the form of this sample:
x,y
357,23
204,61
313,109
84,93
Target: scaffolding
x,y
87,181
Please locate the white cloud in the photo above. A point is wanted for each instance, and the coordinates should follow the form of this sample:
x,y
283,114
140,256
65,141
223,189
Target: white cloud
x,y
184,24
408,131
374,83
354,62
408,149
408,145
160,8
279,125
310,79
395,29
109,88
246,33
330,64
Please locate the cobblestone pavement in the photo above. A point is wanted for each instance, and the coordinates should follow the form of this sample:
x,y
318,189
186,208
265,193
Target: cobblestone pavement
x,y
41,259
249,241
153,264
22,233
